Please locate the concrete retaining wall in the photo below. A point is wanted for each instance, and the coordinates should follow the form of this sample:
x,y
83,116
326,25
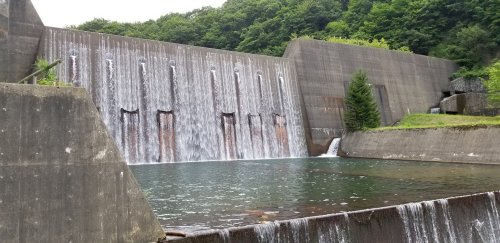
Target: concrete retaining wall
x,y
470,145
402,82
472,218
62,178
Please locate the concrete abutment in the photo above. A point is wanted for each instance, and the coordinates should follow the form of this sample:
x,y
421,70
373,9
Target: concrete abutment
x,y
62,177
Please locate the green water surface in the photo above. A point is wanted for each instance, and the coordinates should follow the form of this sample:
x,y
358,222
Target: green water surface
x,y
208,195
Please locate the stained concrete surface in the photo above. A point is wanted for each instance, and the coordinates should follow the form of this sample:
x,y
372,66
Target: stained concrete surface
x,y
62,178
402,83
20,32
467,145
468,103
196,84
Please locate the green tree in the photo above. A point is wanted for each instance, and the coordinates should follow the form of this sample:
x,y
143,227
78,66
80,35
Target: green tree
x,y
361,109
471,47
493,84
465,31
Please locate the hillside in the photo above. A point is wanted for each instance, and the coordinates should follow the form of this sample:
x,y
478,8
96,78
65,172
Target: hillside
x,y
466,31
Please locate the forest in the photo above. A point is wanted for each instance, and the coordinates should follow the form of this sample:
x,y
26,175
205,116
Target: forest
x,y
465,31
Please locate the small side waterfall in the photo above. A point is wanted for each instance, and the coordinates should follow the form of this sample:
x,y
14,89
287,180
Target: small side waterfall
x,y
333,149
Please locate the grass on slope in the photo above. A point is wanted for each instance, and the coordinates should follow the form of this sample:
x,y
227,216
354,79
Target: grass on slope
x,y
435,120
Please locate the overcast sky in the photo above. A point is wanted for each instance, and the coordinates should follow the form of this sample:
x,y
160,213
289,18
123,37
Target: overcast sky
x,y
61,13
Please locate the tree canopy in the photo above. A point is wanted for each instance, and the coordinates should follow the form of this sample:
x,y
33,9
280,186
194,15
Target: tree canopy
x,y
466,31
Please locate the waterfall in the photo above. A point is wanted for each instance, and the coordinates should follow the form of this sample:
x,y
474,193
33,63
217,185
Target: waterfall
x,y
225,236
169,102
74,69
493,218
412,215
471,218
333,149
436,221
268,232
450,235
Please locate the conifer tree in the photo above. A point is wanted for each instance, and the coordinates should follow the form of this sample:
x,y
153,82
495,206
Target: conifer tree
x,y
361,109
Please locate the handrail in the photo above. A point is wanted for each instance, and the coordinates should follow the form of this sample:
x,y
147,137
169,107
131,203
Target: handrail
x,y
23,81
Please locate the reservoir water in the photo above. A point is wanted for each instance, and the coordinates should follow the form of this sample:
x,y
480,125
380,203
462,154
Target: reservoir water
x,y
212,195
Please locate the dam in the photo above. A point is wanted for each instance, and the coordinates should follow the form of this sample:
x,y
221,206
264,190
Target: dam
x,y
166,102
104,160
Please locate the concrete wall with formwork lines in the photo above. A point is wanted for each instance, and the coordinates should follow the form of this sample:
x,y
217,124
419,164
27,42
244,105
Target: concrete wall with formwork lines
x,y
461,144
20,32
402,83
62,178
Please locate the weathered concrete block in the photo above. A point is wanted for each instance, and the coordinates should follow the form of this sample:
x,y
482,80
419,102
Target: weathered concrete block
x,y
467,85
62,178
468,103
20,32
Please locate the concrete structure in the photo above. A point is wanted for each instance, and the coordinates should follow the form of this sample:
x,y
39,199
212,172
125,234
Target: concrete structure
x,y
467,85
62,178
4,34
402,83
4,24
467,144
127,73
212,104
20,32
472,218
467,103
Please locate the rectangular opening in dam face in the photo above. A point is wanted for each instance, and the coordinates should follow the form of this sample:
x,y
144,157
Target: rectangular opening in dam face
x,y
281,135
228,129
255,123
212,195
166,135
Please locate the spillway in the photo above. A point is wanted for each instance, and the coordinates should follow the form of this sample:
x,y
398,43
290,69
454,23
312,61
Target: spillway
x,y
165,102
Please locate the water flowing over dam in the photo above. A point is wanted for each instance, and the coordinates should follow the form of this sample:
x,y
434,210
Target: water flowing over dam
x,y
165,102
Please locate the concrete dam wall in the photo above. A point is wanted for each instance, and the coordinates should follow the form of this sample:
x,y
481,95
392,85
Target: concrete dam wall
x,y
162,102
402,83
472,218
469,145
165,102
62,178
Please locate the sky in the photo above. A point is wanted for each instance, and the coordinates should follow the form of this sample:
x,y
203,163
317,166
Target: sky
x,y
61,13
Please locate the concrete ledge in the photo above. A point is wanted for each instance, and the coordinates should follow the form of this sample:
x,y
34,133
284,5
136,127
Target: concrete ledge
x,y
62,178
466,144
471,218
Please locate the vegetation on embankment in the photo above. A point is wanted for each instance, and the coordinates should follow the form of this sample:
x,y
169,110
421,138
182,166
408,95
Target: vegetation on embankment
x,y
465,31
414,121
